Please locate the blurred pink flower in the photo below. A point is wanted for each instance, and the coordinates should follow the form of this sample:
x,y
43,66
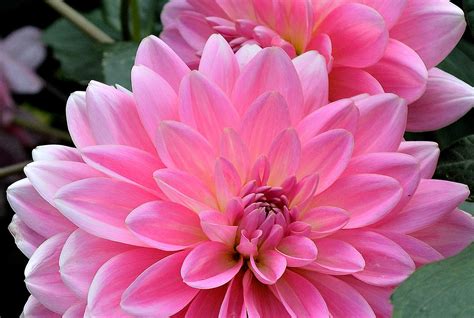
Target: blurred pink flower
x,y
370,46
231,190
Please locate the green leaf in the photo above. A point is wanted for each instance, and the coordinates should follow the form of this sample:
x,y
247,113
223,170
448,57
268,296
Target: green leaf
x,y
460,62
79,55
456,163
117,63
443,289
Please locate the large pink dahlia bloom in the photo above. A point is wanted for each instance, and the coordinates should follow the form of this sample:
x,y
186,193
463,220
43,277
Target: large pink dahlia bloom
x,y
370,46
228,191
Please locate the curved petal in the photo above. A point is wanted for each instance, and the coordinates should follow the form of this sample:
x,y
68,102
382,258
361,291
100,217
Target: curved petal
x,y
268,267
235,151
425,152
56,152
33,308
227,181
78,120
207,303
233,302
284,156
25,46
26,239
325,220
390,10
345,82
298,250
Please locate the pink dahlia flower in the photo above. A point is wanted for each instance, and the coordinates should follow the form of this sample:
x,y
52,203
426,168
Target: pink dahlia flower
x,y
370,46
233,190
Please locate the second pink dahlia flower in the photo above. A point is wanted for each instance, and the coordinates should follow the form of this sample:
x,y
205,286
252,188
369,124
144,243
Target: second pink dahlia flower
x,y
370,46
233,190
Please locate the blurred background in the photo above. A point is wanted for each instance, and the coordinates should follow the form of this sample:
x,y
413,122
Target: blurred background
x,y
64,60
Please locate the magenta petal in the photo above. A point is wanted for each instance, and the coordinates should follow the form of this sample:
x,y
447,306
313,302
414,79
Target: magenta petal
x,y
75,311
268,267
345,82
228,182
284,157
325,220
33,308
233,302
425,152
207,303
216,226
298,250
210,265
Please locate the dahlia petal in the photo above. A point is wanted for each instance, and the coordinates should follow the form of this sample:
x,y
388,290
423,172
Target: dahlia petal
x,y
386,263
446,99
312,71
176,141
328,164
336,257
113,118
270,70
298,250
284,156
47,177
26,239
185,189
305,189
114,277
354,30
216,227
75,311
20,78
390,10
237,9
432,28
381,123
401,71
425,152
124,163
449,235
269,266
156,99
322,43
299,296
175,40
233,302
56,152
259,300
195,29
381,195
35,212
227,181
82,256
78,120
33,308
325,220
165,225
341,114
142,298
263,121
341,298
235,151
26,46
419,251
100,206
345,82
207,303
210,265
219,64
432,200
246,53
160,58
207,7
205,107
42,276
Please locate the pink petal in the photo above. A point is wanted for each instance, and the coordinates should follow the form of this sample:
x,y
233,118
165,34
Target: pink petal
x,y
175,40
176,141
263,121
124,163
165,225
451,234
336,257
390,10
313,74
195,29
268,267
325,220
386,263
210,265
33,308
26,239
207,303
185,189
401,71
330,163
381,123
78,120
259,299
227,182
75,311
235,151
42,276
35,212
56,152
431,27
219,64
233,302
216,226
446,100
156,99
20,78
345,82
298,250
82,256
100,206
425,152
246,53
432,200
113,279
381,194
342,299
47,177
142,298
355,30
270,70
300,297
25,46
160,58
205,107
284,156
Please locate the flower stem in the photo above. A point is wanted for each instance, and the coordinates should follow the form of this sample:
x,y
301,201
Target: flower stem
x,y
13,169
78,20
136,21
44,130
